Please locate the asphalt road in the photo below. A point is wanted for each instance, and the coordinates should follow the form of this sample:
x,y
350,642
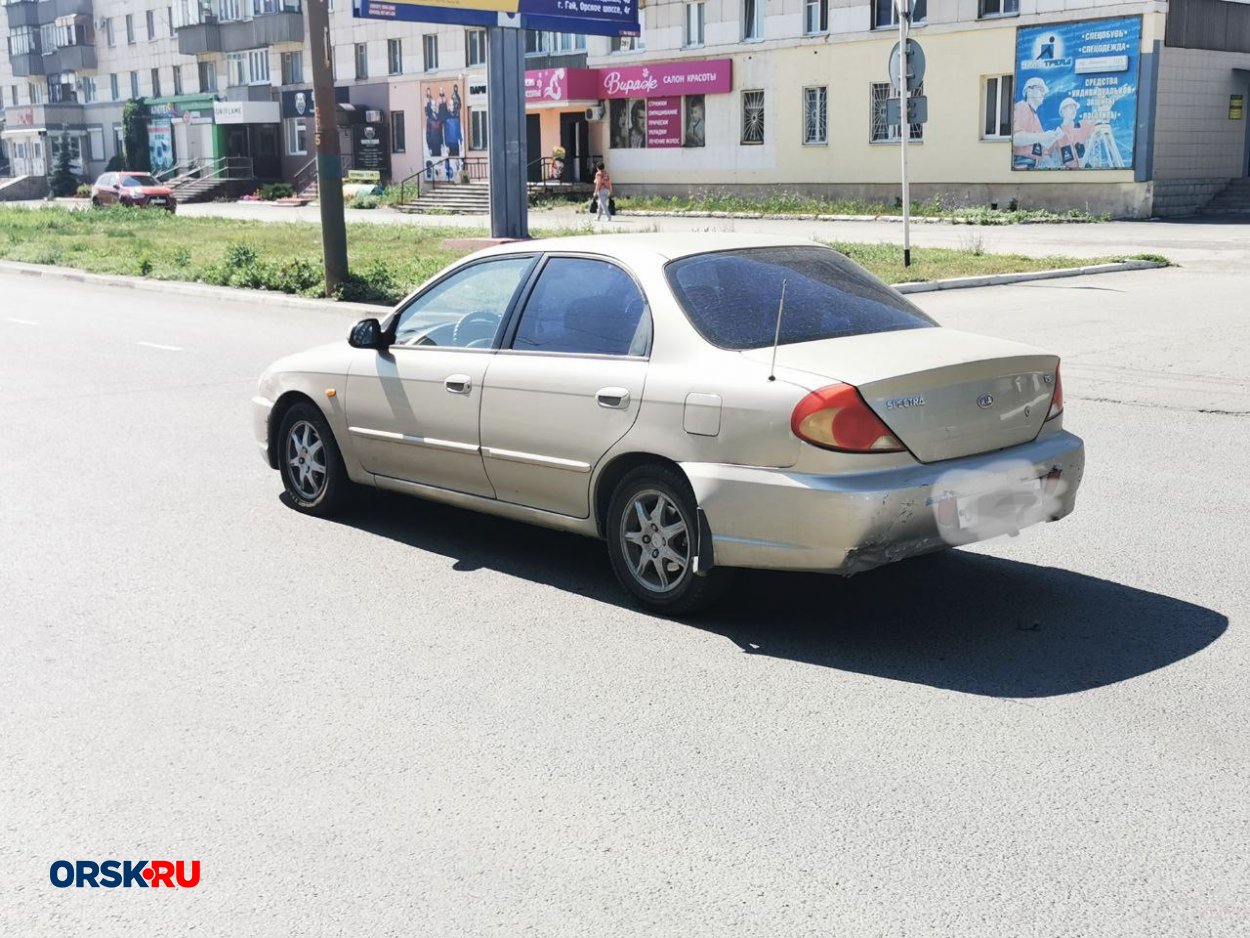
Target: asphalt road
x,y
420,721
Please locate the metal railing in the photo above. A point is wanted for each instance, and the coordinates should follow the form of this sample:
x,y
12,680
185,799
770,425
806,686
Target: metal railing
x,y
552,172
435,174
305,177
223,168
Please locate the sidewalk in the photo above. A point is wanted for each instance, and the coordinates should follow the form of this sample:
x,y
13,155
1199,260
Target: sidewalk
x,y
1198,243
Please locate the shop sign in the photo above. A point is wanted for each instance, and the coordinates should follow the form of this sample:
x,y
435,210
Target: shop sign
x,y
371,151
561,84
592,17
710,76
301,104
246,112
664,122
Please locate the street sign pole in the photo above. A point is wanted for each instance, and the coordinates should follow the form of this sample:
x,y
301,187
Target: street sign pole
x,y
329,159
904,128
505,109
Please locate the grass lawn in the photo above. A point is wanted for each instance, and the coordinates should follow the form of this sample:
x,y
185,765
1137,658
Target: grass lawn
x,y
387,261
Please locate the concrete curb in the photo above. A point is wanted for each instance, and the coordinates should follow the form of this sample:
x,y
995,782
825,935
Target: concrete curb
x,y
915,220
199,290
366,310
997,280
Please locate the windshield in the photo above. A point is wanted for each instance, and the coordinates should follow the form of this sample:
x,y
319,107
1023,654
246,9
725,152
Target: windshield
x,y
139,180
732,297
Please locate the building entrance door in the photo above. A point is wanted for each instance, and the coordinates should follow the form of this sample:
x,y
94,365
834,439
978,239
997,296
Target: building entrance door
x,y
533,147
575,138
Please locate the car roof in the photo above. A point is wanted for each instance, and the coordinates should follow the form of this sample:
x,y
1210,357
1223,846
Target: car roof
x,y
652,245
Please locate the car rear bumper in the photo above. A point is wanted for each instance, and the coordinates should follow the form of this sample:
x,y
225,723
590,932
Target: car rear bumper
x,y
784,520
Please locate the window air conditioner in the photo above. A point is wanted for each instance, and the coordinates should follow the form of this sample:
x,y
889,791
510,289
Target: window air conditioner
x,y
594,113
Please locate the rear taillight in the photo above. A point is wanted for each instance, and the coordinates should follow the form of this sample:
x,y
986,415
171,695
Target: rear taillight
x,y
837,418
1056,400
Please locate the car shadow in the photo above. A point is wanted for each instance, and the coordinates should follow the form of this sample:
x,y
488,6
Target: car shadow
x,y
956,620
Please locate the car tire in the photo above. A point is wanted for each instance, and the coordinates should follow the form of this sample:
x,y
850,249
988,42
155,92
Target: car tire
x,y
95,202
653,512
311,465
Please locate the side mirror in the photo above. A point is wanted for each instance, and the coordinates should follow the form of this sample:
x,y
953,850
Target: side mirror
x,y
366,334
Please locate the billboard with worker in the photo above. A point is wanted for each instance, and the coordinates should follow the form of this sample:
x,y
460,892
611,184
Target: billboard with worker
x,y
1075,102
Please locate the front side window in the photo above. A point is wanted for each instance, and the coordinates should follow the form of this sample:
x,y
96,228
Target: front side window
x,y
177,79
996,119
429,49
398,141
752,19
134,84
465,309
296,137
732,297
130,29
885,13
752,117
880,129
150,17
156,82
114,91
292,68
586,307
815,115
477,129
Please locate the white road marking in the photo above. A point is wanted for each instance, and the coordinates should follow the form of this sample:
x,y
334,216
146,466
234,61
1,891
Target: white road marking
x,y
166,348
23,322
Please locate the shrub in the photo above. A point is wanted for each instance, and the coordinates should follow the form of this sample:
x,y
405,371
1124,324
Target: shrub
x,y
375,284
145,266
366,201
83,191
276,190
240,255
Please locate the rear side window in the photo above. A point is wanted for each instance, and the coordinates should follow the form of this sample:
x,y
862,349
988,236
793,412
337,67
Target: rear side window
x,y
584,306
732,297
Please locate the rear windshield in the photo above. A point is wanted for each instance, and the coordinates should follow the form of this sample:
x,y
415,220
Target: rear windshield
x,y
732,297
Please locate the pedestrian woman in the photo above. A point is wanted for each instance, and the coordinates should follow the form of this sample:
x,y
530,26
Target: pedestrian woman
x,y
603,192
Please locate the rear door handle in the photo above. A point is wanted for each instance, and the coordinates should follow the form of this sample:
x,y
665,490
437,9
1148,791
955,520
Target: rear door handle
x,y
616,398
458,384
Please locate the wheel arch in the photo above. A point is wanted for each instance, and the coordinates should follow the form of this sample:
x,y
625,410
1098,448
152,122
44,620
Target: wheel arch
x,y
611,474
280,407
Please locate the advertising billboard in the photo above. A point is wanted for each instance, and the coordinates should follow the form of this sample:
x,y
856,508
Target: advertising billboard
x,y
1075,93
593,17
444,121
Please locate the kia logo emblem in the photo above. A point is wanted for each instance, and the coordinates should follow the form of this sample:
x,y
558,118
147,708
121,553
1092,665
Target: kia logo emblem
x,y
985,400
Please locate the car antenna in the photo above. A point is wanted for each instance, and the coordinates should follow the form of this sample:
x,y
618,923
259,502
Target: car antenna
x,y
772,369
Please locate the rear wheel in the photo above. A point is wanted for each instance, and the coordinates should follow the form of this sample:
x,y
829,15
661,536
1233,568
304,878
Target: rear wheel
x,y
312,468
652,532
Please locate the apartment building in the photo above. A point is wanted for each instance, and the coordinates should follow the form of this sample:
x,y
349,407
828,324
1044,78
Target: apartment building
x,y
1129,107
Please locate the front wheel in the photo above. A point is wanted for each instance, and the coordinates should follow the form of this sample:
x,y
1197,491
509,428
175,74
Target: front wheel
x,y
312,468
652,531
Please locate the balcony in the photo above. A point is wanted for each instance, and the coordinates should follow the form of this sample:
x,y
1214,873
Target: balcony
x,y
70,59
24,13
27,64
202,30
52,10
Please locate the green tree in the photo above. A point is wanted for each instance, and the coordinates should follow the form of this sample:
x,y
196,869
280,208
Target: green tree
x,y
135,136
63,182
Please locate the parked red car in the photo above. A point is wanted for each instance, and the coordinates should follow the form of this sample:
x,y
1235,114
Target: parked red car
x,y
132,189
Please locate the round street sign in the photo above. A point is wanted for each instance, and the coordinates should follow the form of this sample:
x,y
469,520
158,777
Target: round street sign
x,y
915,62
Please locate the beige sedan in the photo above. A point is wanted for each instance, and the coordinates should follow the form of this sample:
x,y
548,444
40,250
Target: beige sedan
x,y
701,403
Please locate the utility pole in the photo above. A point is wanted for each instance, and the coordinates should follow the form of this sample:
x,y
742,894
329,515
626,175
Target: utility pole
x,y
904,128
326,140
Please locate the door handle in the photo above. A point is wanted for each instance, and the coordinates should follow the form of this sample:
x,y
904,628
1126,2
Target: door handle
x,y
616,398
458,384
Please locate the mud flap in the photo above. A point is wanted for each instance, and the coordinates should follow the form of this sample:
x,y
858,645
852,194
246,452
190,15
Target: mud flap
x,y
703,558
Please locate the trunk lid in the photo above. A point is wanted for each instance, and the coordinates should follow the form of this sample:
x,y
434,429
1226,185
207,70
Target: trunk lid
x,y
943,393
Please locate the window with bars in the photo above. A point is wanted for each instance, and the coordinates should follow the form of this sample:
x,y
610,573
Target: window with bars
x,y
475,47
752,117
815,16
880,130
996,124
394,58
999,7
695,21
752,20
815,116
885,14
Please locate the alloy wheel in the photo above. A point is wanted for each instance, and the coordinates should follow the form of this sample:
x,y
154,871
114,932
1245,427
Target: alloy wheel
x,y
655,540
306,460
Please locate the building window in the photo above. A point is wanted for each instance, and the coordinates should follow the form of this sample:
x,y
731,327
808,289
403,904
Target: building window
x,y
752,117
150,17
119,147
815,116
362,60
292,68
47,38
130,29
113,89
208,77
296,136
549,43
880,131
997,98
134,85
999,7
753,20
177,80
429,51
169,18
475,46
477,130
156,82
36,92
88,90
394,57
398,143
108,31
694,24
885,14
258,66
815,16
229,11
23,40
13,92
